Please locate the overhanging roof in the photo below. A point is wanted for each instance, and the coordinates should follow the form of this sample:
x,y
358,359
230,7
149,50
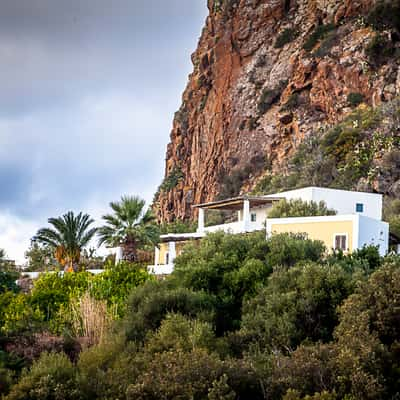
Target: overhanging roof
x,y
236,203
180,237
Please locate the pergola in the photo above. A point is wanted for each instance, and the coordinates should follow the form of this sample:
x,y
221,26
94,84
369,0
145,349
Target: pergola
x,y
242,204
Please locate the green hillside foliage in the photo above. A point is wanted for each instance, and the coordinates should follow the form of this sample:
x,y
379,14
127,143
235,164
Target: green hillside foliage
x,y
241,317
359,153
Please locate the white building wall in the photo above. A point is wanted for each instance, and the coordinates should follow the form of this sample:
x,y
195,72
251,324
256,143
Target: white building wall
x,y
375,233
343,201
261,217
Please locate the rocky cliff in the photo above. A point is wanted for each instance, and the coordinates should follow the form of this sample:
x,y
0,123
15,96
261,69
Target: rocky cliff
x,y
268,75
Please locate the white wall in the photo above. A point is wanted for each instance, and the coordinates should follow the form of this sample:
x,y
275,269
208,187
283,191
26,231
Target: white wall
x,y
261,217
375,233
343,201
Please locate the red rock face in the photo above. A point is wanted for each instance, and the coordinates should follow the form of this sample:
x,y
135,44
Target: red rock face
x,y
233,112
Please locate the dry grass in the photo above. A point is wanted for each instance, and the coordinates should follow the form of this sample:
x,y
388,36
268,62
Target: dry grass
x,y
91,320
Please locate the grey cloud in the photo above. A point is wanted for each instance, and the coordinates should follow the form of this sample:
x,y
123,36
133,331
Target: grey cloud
x,y
54,49
87,101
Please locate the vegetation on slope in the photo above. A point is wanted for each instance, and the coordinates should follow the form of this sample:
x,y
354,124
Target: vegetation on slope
x,y
361,153
241,317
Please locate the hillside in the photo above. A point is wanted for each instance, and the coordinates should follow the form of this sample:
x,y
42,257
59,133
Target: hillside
x,y
284,93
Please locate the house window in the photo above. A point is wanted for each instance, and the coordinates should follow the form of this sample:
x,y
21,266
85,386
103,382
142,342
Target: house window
x,y
253,217
359,207
166,258
340,242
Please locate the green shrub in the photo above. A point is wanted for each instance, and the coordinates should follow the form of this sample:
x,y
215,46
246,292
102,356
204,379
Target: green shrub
x,y
391,214
116,283
221,390
52,377
328,41
299,208
19,316
7,281
385,15
53,290
227,267
368,335
150,303
179,332
252,123
285,37
269,96
319,33
190,375
231,183
379,50
172,179
354,99
309,369
364,260
230,268
98,367
6,380
297,304
292,103
288,249
296,395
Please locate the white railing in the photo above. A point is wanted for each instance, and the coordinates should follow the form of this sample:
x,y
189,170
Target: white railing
x,y
235,227
160,269
232,227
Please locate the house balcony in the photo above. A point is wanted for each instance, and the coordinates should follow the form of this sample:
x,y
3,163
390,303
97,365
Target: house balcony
x,y
251,214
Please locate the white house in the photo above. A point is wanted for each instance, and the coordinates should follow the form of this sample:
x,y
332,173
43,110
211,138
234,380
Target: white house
x,y
358,222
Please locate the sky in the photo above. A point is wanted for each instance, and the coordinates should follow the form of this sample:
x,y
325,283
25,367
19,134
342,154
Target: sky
x,y
88,93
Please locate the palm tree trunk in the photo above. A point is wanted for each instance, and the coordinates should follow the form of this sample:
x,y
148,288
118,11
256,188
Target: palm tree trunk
x,y
129,251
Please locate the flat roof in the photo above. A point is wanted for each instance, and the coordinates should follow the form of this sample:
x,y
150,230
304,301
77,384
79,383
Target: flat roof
x,y
236,203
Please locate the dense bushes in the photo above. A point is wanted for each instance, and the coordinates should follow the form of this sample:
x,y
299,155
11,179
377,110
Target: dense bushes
x,y
51,377
48,306
312,327
296,305
231,267
151,303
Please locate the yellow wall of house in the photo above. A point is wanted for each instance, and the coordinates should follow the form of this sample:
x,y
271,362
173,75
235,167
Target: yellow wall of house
x,y
323,231
164,248
163,251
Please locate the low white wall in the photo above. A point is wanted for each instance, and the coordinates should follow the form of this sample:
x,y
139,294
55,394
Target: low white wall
x,y
160,269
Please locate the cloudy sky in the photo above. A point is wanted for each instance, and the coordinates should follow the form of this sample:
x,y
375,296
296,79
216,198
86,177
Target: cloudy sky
x,y
88,93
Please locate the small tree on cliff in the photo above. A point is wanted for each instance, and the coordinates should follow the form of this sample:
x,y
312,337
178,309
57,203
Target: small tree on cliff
x,y
129,227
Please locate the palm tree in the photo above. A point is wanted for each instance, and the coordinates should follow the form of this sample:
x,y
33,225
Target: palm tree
x,y
129,227
70,235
